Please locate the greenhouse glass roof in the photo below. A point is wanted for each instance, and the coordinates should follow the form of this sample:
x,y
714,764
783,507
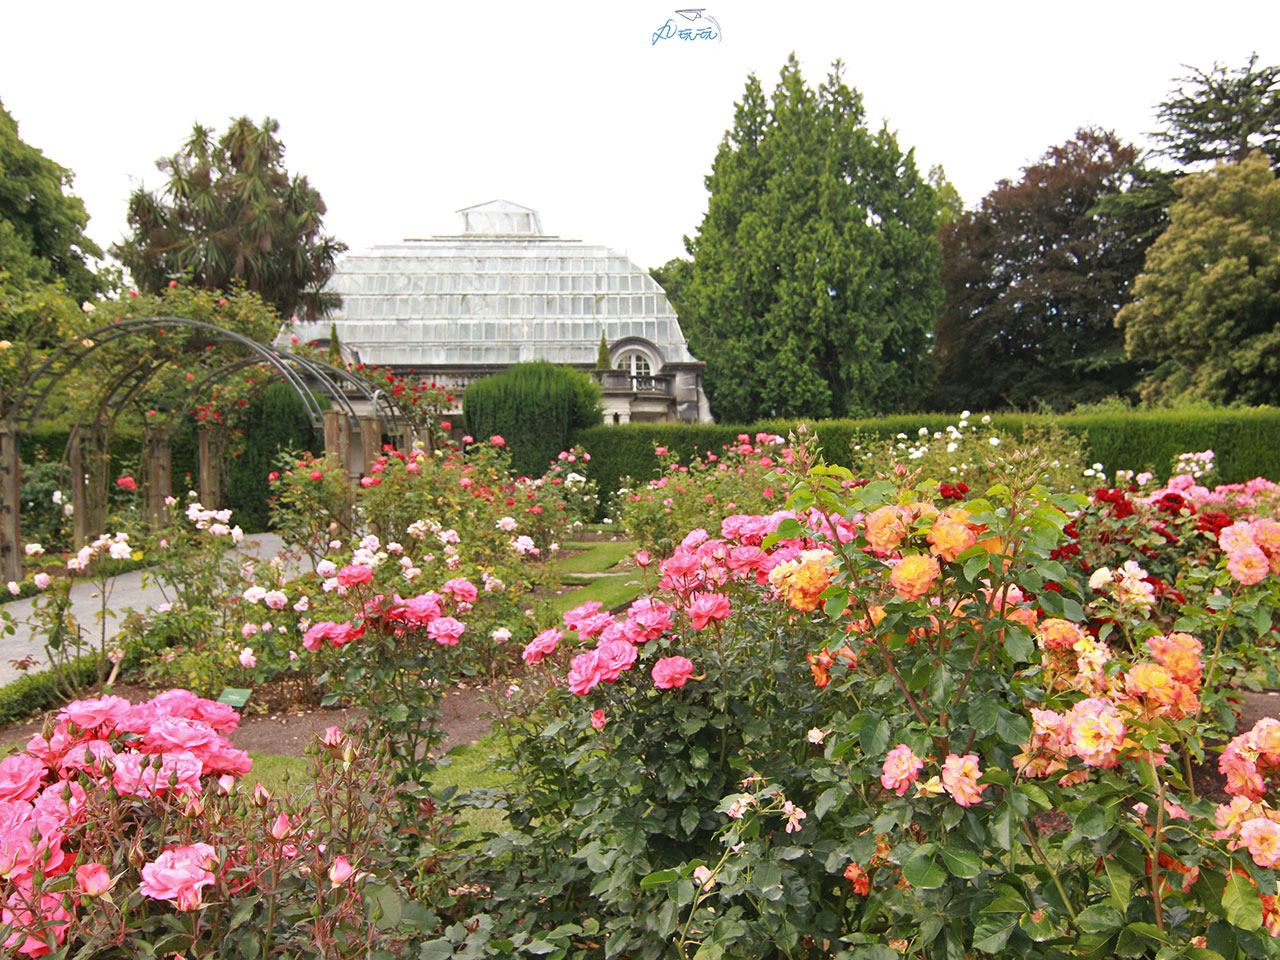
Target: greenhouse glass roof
x,y
499,292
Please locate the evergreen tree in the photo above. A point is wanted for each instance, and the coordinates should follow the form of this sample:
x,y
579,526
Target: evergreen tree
x,y
42,238
813,283
1222,114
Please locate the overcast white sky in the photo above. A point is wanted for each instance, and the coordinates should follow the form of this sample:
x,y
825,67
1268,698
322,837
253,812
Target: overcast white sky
x,y
400,113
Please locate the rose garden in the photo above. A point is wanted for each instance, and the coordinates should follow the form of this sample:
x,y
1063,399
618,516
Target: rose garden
x,y
958,700
488,594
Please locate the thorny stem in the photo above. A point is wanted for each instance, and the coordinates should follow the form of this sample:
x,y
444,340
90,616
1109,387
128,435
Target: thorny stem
x,y
1155,855
1217,645
1066,902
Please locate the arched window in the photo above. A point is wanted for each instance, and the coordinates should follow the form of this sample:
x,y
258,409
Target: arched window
x,y
634,363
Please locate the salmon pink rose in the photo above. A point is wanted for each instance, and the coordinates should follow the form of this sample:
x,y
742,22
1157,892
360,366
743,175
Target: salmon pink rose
x,y
179,874
353,574
93,879
670,672
705,607
901,769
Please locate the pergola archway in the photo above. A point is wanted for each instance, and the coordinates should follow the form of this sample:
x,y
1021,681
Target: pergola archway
x,y
358,413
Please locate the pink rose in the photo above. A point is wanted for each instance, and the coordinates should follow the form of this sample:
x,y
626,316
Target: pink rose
x,y
179,874
542,645
705,607
93,879
353,574
960,778
672,672
21,777
445,630
461,590
127,482
598,719
614,656
340,871
332,737
901,769
584,673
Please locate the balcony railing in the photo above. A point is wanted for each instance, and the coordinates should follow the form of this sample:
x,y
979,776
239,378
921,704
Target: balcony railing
x,y
620,381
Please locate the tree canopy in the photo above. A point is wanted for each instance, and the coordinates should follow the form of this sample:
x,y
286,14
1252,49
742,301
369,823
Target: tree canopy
x,y
42,239
1206,307
1034,278
813,283
1221,114
229,213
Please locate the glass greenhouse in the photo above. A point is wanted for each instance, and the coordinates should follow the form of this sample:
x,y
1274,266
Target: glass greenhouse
x,y
462,306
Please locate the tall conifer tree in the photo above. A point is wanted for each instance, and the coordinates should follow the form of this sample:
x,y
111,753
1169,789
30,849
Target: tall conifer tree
x,y
814,281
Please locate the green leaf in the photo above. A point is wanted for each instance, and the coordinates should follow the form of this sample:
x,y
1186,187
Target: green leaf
x,y
1148,930
1241,904
1100,918
992,931
960,862
826,800
242,911
1017,643
1013,729
1121,884
984,713
922,870
539,947
659,878
1038,929
874,738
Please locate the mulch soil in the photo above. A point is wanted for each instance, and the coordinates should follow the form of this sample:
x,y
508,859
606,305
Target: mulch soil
x,y
288,731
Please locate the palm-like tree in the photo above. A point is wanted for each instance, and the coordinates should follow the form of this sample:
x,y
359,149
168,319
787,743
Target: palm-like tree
x,y
230,212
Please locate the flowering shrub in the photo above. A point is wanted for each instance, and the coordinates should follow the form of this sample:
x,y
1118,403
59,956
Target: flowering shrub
x,y
123,825
747,477
968,454
887,717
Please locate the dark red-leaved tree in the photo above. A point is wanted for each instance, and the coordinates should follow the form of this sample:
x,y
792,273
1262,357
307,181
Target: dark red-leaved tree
x,y
1034,278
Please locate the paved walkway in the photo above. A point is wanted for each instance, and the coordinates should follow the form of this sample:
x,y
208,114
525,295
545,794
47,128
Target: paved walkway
x,y
123,592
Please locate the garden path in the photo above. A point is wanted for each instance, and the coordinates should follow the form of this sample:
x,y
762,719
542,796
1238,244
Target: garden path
x,y
135,589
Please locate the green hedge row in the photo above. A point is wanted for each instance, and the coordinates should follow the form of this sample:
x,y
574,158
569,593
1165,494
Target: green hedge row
x,y
1247,442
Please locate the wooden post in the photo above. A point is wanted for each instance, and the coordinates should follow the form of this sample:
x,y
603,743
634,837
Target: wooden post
x,y
370,443
159,479
10,504
79,500
97,468
337,437
210,471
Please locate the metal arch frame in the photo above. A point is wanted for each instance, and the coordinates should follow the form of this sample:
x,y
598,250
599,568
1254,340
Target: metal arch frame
x,y
291,367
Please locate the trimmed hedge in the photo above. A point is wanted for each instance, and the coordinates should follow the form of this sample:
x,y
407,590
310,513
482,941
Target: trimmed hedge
x,y
1246,441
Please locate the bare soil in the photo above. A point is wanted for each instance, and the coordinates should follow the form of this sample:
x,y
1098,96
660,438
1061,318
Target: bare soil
x,y
288,731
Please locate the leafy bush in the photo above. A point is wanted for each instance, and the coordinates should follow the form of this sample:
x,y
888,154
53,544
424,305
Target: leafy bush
x,y
275,422
1120,440
536,407
125,831
887,720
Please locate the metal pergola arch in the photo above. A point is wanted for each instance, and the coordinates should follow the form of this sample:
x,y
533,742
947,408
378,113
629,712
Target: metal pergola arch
x,y
302,373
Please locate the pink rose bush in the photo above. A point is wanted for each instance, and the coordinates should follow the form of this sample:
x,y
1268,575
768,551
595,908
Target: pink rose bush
x,y
123,823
